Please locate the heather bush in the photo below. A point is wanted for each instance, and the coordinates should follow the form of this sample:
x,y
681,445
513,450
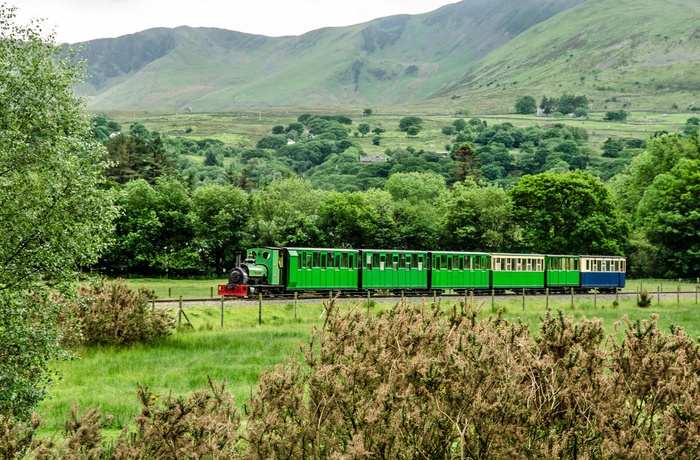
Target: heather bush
x,y
108,312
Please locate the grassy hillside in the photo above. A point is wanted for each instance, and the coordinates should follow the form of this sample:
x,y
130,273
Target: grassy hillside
x,y
636,55
388,61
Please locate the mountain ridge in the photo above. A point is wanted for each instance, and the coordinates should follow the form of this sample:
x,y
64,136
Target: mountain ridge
x,y
488,51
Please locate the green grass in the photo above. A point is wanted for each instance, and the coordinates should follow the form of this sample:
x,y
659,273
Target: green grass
x,y
174,289
106,377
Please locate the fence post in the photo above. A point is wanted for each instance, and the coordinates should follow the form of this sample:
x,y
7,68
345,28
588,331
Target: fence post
x,y
493,295
153,304
211,292
260,308
179,312
546,292
658,295
222,311
572,297
595,297
523,299
678,294
169,294
296,294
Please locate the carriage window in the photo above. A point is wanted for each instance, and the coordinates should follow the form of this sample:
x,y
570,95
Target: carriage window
x,y
461,263
369,261
308,260
323,260
408,261
395,261
449,263
330,260
351,262
317,260
402,260
519,265
344,262
382,262
337,260
576,264
477,263
539,265
509,264
529,265
414,261
375,259
436,263
443,261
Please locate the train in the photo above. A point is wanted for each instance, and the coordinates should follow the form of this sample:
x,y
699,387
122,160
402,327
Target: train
x,y
276,271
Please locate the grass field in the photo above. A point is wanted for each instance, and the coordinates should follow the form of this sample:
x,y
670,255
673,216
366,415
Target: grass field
x,y
243,129
106,377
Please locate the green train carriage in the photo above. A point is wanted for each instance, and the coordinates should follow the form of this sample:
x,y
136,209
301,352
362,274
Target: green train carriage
x,y
460,271
393,270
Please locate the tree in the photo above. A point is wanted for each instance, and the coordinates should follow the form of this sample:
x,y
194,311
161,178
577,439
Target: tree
x,y
54,216
273,142
363,128
616,115
367,112
526,105
466,164
568,213
407,122
479,219
285,213
220,215
670,216
413,131
459,124
449,130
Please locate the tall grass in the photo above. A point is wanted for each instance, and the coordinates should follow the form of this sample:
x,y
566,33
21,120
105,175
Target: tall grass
x,y
106,377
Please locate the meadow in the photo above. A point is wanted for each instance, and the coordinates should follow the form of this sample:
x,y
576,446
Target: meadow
x,y
107,377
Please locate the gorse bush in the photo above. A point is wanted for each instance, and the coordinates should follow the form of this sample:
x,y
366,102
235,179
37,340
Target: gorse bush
x,y
109,313
412,383
415,383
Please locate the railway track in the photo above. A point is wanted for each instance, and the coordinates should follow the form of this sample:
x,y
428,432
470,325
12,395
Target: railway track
x,y
452,297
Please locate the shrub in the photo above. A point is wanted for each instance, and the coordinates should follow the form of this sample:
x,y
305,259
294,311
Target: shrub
x,y
644,299
16,436
108,312
412,383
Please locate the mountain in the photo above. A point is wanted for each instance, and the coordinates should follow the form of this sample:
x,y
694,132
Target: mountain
x,y
392,60
639,54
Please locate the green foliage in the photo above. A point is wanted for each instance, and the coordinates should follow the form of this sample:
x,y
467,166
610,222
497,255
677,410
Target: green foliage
x,y
568,213
272,142
670,215
55,217
616,115
481,219
363,128
407,122
459,124
526,105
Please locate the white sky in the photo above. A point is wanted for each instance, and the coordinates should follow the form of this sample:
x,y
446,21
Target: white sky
x,y
81,20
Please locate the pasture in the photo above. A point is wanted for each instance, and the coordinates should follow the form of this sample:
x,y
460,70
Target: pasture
x,y
106,377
